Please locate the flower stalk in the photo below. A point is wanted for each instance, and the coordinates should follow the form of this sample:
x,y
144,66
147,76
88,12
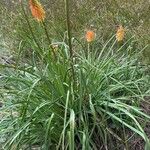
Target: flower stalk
x,y
69,35
48,38
30,28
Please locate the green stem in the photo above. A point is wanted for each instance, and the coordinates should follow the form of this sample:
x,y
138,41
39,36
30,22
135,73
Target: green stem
x,y
68,27
48,38
88,51
127,69
69,36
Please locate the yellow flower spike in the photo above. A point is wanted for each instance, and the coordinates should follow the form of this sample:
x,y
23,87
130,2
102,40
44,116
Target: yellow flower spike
x,y
90,36
37,10
120,33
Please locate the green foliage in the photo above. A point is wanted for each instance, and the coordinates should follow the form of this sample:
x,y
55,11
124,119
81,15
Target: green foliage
x,y
87,102
105,96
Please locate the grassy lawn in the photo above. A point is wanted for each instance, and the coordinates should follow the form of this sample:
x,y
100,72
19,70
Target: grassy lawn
x,y
74,75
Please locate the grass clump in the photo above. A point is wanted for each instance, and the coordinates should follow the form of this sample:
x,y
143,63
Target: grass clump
x,y
73,95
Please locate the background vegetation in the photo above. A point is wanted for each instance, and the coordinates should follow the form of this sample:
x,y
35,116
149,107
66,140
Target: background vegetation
x,y
105,16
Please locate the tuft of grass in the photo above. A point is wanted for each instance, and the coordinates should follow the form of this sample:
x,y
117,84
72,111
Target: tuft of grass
x,y
50,107
55,114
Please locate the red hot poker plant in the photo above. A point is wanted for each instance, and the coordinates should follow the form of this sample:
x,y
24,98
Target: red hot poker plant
x,y
37,10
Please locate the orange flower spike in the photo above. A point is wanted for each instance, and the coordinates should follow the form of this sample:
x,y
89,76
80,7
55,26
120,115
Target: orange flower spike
x,y
37,10
120,33
90,36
